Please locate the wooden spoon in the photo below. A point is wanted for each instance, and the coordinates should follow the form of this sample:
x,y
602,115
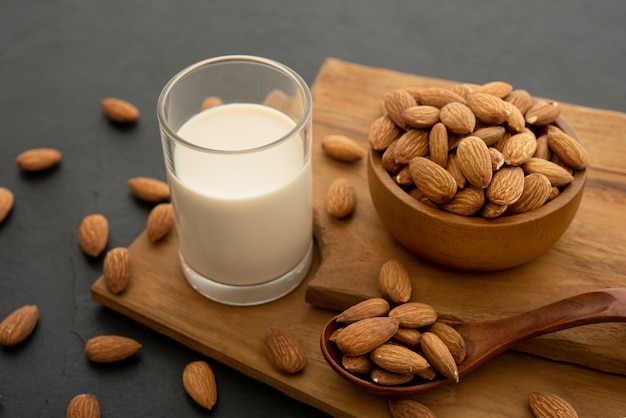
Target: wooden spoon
x,y
485,340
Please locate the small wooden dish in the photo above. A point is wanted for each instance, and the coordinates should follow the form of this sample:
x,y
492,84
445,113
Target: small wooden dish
x,y
472,243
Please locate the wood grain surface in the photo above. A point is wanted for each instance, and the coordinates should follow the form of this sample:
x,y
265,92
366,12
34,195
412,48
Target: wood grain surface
x,y
589,257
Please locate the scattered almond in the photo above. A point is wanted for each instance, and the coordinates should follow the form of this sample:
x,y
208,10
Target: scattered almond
x,y
160,221
38,159
549,405
149,189
283,351
340,198
394,282
18,325
342,148
93,234
119,110
84,405
110,348
408,408
116,269
6,202
199,383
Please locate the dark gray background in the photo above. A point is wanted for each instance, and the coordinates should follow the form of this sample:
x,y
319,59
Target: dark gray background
x,y
59,58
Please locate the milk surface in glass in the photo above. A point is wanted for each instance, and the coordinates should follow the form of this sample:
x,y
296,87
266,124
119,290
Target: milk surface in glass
x,y
242,218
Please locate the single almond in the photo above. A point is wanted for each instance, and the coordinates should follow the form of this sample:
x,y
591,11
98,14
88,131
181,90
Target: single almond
x,y
284,352
489,108
357,364
439,97
409,337
497,159
368,308
543,150
395,103
434,181
454,169
570,151
515,121
500,89
543,112
421,116
340,198
398,358
490,134
438,144
417,194
394,282
413,143
520,99
342,148
363,336
211,102
492,210
557,175
475,161
439,355
458,118
18,325
549,405
6,202
384,377
452,339
116,269
507,185
38,159
93,234
160,221
110,348
149,189
464,90
382,133
403,178
388,159
409,408
119,110
413,314
199,383
84,405
465,202
519,148
537,190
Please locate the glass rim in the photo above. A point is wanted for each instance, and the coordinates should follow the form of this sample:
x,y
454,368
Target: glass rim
x,y
299,126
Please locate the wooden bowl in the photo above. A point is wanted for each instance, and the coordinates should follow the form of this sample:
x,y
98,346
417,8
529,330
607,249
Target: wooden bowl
x,y
472,243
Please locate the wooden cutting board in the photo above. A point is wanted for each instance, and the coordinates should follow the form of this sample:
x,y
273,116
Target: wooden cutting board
x,y
345,100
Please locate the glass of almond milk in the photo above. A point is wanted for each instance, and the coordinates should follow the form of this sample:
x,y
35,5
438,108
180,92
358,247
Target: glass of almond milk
x,y
240,176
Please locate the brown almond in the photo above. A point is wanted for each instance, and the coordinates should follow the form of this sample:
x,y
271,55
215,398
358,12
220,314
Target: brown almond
x,y
438,144
403,178
116,269
492,210
464,90
452,339
413,143
410,337
434,181
413,314
408,408
543,150
388,159
211,102
519,148
488,108
110,348
283,351
149,189
394,282
6,202
368,308
18,325
340,198
497,159
398,358
38,159
515,121
386,378
357,364
93,234
421,116
537,190
475,161
490,134
395,103
342,148
570,151
119,110
543,112
160,221
84,405
439,97
465,202
199,383
458,118
500,89
417,194
382,132
549,405
520,99
363,336
454,169
507,185
439,355
557,175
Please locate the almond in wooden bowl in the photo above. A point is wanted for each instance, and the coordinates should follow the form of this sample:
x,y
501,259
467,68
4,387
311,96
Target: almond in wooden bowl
x,y
474,242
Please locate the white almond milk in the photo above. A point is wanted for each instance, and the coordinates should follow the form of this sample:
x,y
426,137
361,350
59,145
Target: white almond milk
x,y
242,218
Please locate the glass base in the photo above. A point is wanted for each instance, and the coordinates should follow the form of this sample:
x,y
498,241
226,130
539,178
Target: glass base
x,y
252,294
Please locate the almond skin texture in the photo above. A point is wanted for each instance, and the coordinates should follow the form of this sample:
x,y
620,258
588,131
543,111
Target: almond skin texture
x,y
340,198
537,190
394,282
363,336
488,108
284,351
413,143
434,181
342,148
382,133
465,202
395,103
542,113
421,116
83,406
452,339
438,144
119,111
93,234
475,161
160,221
458,118
38,159
6,202
557,175
570,151
519,148
199,383
368,308
398,359
500,89
439,356
149,189
439,97
110,348
18,325
549,405
414,314
520,99
116,269
507,186
357,364
384,377
408,408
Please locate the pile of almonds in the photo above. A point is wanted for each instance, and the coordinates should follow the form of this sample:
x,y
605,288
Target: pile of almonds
x,y
486,150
